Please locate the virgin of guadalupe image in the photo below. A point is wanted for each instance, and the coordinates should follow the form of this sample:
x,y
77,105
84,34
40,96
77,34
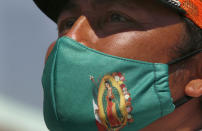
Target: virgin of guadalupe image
x,y
111,102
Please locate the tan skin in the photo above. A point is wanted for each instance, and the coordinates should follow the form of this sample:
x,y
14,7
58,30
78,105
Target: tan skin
x,y
118,29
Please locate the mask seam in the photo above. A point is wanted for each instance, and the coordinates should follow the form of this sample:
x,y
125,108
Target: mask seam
x,y
160,104
108,55
54,79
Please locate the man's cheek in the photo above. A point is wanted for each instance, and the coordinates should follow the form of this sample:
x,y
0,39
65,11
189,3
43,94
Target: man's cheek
x,y
50,48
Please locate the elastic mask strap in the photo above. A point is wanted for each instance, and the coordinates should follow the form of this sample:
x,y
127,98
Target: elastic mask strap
x,y
182,101
184,57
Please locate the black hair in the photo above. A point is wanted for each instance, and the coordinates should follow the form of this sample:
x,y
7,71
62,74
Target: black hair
x,y
193,40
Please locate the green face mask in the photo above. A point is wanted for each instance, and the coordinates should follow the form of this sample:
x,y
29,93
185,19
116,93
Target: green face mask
x,y
87,90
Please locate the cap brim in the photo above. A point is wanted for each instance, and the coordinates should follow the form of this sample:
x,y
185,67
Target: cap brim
x,y
51,8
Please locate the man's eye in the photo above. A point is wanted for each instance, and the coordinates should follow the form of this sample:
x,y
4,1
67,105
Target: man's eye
x,y
69,23
115,17
66,24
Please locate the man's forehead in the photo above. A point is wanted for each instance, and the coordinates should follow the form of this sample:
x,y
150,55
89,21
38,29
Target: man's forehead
x,y
98,1
72,4
75,2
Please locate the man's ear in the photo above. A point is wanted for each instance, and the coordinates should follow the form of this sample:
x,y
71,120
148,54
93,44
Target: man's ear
x,y
194,88
50,48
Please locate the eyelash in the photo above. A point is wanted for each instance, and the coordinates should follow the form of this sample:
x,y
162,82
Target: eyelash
x,y
64,25
122,18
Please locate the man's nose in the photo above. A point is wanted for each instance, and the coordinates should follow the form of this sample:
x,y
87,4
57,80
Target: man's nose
x,y
82,32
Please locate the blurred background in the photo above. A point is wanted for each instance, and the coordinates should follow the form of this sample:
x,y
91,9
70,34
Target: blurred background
x,y
25,33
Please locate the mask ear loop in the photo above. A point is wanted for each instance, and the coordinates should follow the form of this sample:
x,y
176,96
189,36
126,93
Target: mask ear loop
x,y
184,57
184,99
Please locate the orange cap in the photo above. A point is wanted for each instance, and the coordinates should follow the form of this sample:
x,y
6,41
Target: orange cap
x,y
193,10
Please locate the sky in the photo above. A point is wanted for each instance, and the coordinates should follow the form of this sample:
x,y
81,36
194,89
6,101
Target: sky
x,y
25,34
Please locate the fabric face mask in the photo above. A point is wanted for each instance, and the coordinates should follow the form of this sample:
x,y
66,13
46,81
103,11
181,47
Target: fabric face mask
x,y
87,90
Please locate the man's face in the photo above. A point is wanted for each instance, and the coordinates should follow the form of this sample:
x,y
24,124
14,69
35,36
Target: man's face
x,y
107,85
141,30
135,29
